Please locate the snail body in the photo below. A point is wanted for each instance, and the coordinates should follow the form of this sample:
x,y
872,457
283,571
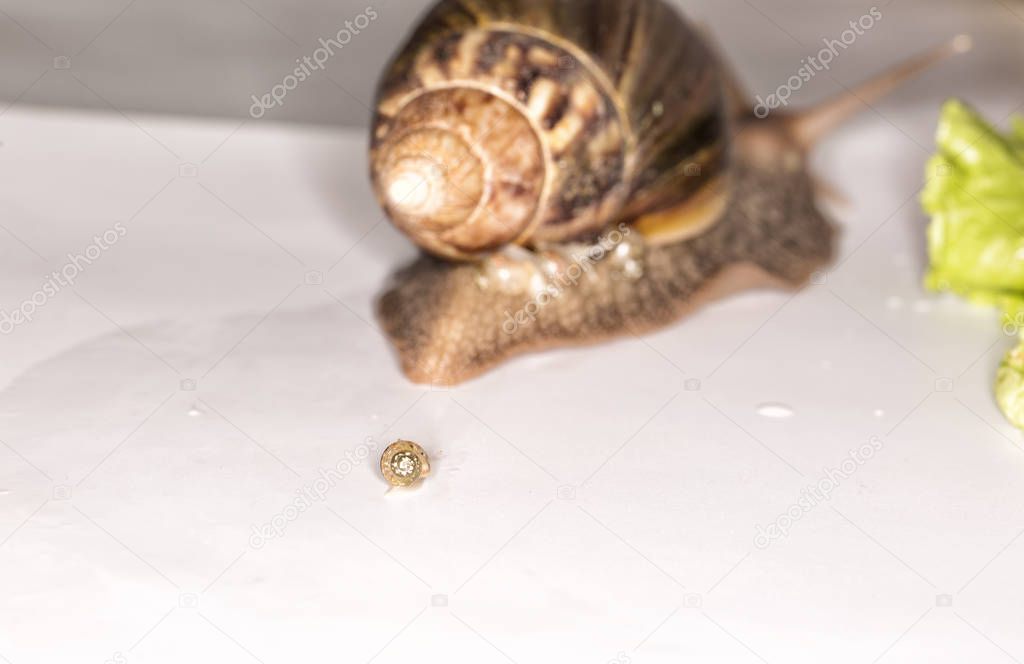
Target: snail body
x,y
517,122
579,170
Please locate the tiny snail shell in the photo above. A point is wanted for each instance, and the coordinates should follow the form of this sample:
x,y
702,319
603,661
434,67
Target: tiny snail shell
x,y
404,463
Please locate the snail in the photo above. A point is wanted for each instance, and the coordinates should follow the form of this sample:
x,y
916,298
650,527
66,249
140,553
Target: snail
x,y
579,170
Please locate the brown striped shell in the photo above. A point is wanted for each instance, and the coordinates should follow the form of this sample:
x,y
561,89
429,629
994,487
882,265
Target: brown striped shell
x,y
533,122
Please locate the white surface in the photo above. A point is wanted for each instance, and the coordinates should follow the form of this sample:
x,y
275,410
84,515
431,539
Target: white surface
x,y
127,503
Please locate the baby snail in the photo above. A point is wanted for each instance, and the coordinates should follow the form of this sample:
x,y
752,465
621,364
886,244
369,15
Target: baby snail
x,y
404,463
579,170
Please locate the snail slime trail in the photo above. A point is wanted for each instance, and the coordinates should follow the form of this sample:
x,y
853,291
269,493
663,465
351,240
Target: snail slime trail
x,y
510,136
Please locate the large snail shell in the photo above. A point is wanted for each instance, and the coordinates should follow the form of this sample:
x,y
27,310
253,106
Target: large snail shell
x,y
531,122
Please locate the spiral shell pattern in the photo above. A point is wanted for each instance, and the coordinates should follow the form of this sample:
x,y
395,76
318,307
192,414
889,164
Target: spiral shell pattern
x,y
526,122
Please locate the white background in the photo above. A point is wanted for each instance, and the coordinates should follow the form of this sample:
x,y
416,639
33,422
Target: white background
x,y
586,506
208,57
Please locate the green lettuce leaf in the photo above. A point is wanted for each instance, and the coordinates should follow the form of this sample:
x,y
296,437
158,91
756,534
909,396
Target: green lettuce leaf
x,y
975,196
1010,387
